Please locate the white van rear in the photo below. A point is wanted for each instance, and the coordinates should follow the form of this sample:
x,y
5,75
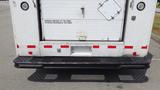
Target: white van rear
x,y
65,29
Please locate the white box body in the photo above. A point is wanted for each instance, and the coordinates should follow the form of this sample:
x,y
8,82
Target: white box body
x,y
92,28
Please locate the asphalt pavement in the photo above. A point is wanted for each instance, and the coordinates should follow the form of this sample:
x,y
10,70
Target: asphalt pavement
x,y
12,78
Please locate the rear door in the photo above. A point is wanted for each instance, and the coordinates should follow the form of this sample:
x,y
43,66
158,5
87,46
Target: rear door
x,y
82,19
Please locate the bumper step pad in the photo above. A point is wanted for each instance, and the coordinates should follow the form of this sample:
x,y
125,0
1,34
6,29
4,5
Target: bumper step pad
x,y
83,62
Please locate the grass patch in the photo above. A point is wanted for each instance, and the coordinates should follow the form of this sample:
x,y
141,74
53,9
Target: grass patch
x,y
156,25
158,5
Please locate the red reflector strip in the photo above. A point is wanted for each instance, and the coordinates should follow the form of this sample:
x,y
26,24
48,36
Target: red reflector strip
x,y
30,53
47,46
112,46
134,53
17,46
128,47
64,46
31,46
144,47
95,46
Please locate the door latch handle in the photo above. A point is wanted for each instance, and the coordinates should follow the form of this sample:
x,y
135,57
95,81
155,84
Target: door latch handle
x,y
14,3
132,4
83,11
34,3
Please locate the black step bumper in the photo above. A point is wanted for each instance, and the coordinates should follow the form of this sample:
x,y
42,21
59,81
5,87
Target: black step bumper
x,y
83,62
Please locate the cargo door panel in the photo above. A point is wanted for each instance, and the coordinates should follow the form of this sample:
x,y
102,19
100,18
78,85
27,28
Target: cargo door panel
x,y
82,19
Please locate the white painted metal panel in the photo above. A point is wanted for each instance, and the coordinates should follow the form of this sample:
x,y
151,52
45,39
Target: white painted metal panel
x,y
102,51
138,31
65,20
25,27
82,19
